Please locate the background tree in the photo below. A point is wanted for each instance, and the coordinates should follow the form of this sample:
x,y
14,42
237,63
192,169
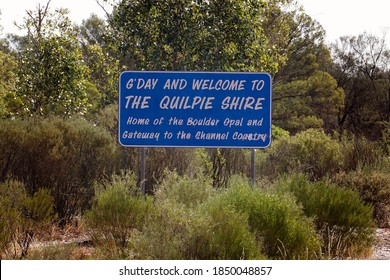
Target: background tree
x,y
305,95
362,70
193,35
51,72
3,42
8,77
311,103
94,31
8,80
299,38
102,62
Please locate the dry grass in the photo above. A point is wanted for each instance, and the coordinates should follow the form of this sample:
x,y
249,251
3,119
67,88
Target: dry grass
x,y
69,242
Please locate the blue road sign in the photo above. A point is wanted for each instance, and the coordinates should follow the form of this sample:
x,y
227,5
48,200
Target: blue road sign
x,y
195,109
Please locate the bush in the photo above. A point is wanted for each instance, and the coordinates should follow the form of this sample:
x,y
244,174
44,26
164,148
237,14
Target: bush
x,y
184,190
65,156
12,137
227,162
222,234
285,232
9,220
158,161
279,133
197,226
373,188
358,153
162,238
311,152
386,137
341,218
191,220
22,217
118,210
212,231
233,223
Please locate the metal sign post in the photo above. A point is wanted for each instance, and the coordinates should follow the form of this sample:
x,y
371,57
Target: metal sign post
x,y
143,171
253,166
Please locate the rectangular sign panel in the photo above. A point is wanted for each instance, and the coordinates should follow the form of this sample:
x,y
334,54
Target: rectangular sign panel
x,y
195,109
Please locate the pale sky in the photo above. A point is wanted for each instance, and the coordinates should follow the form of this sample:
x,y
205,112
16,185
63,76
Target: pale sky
x,y
15,10
350,17
338,17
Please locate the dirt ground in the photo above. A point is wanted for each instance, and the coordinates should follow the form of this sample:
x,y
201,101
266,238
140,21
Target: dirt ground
x,y
382,245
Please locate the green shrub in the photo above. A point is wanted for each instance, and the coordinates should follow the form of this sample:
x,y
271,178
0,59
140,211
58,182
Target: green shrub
x,y
285,232
226,163
158,161
386,137
22,217
279,133
39,207
211,231
163,237
341,218
12,137
222,234
238,223
359,153
191,222
9,220
183,189
65,156
116,213
311,152
373,188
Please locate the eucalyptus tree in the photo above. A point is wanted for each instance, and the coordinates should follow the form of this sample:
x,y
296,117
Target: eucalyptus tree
x,y
305,95
362,69
8,79
102,61
193,35
2,41
51,71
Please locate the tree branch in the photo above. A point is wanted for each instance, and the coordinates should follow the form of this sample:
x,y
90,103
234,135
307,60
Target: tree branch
x,y
286,96
103,8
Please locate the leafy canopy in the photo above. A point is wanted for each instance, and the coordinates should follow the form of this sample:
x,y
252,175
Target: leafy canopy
x,y
193,35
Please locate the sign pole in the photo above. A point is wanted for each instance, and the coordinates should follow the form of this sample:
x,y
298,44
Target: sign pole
x,y
252,166
143,168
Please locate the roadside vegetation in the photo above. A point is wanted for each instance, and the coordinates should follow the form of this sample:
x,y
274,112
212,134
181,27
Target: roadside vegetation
x,y
298,207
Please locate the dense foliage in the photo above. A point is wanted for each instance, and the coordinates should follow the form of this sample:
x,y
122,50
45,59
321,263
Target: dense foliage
x,y
22,217
66,157
343,221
